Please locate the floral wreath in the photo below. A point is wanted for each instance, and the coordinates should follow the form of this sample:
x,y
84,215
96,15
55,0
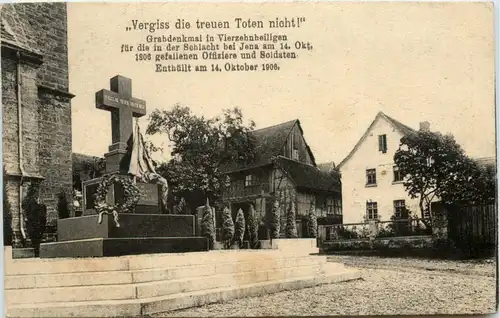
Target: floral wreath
x,y
131,194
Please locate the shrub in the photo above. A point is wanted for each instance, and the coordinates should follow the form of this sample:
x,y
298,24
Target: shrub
x,y
7,216
274,221
227,227
36,217
291,227
252,228
312,222
239,228
207,225
181,207
63,206
345,233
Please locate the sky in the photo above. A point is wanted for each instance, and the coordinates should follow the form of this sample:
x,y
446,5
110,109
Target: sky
x,y
414,61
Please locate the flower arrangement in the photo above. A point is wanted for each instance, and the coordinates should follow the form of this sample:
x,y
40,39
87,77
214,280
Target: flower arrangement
x,y
131,197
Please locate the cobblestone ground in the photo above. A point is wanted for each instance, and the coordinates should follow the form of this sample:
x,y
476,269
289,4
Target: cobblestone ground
x,y
390,286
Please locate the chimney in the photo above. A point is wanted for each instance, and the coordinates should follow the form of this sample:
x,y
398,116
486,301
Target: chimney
x,y
425,126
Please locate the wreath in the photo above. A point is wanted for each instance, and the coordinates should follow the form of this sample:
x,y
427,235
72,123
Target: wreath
x,y
131,196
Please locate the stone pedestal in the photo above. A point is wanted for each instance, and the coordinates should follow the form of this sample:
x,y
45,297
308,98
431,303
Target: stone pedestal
x,y
23,252
137,234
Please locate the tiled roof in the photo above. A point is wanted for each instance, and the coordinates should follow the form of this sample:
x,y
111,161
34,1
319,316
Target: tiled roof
x,y
307,176
268,143
78,159
486,162
405,130
326,166
402,128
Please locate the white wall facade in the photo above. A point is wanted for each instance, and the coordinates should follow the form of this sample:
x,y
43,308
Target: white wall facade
x,y
356,193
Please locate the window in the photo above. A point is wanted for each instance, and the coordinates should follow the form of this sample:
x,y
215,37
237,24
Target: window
x,y
371,176
337,207
382,143
371,210
248,180
398,176
329,206
295,154
400,209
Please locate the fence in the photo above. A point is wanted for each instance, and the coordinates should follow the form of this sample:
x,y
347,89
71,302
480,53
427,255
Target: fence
x,y
378,229
472,228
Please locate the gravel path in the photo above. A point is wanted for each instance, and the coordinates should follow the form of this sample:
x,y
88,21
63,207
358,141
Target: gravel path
x,y
380,292
483,267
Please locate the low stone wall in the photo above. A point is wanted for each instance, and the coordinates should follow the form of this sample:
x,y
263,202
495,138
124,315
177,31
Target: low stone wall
x,y
381,244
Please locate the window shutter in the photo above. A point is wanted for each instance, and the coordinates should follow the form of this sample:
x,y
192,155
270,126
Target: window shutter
x,y
380,143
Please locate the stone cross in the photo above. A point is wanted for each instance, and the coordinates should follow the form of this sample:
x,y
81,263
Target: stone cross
x,y
123,108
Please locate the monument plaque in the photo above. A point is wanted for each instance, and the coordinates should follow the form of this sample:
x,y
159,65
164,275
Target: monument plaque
x,y
149,194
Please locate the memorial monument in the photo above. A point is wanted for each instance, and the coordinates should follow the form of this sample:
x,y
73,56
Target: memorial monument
x,y
124,212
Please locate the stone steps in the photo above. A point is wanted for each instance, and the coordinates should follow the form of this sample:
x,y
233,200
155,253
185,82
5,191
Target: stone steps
x,y
148,284
123,276
155,288
153,305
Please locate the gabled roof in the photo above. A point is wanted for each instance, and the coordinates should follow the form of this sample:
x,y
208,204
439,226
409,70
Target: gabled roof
x,y
268,143
307,176
402,128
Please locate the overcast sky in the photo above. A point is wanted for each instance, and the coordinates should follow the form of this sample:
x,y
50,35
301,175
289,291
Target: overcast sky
x,y
413,61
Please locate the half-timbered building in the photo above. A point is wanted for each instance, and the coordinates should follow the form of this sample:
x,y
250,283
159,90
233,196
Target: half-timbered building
x,y
283,169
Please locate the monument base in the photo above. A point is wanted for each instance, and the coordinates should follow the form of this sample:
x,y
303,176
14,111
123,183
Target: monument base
x,y
131,225
137,234
23,252
101,247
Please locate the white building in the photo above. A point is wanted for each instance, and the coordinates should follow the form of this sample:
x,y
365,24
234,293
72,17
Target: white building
x,y
372,187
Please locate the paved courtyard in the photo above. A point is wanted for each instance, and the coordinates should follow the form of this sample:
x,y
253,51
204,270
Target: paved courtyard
x,y
390,286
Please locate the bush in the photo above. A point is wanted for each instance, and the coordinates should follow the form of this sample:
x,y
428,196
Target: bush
x,y
239,230
181,207
312,222
63,206
252,228
36,217
291,227
207,225
7,216
274,221
227,227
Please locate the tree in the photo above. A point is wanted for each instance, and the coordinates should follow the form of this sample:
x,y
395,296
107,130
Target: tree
x,y
7,215
199,147
63,206
291,227
239,231
274,221
36,217
207,225
312,222
252,228
435,166
227,227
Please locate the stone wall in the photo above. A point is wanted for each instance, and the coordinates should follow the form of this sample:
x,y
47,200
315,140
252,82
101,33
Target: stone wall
x,y
387,243
40,29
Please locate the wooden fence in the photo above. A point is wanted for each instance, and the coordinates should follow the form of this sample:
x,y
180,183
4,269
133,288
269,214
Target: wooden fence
x,y
473,228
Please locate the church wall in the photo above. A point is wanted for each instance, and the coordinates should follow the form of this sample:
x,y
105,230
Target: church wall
x,y
46,121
